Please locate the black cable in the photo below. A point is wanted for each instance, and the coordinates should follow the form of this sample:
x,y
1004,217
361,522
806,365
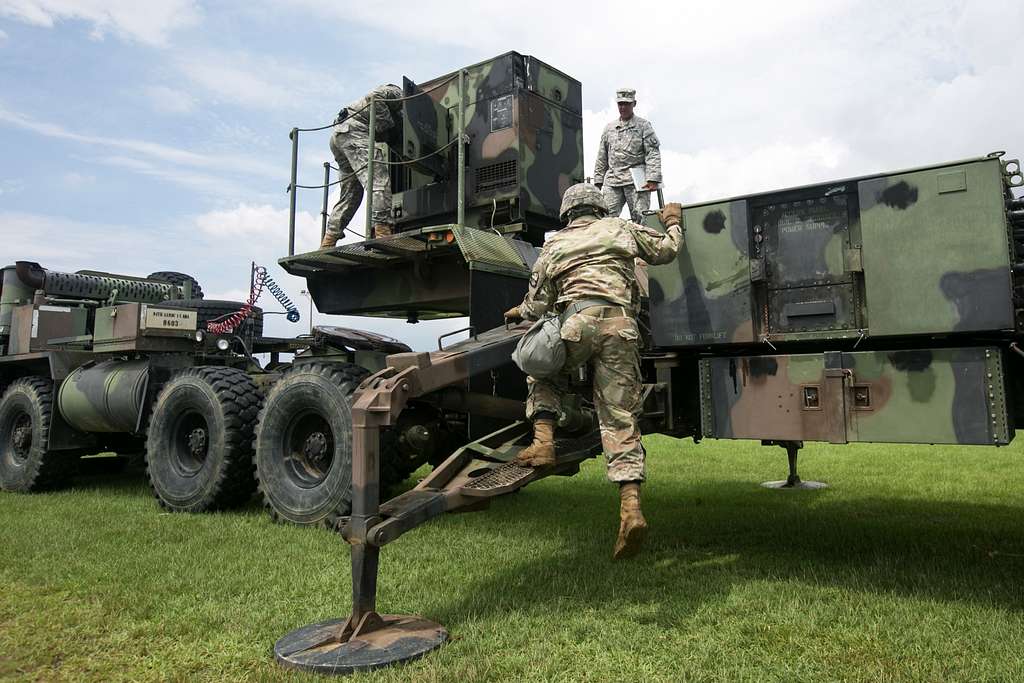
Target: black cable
x,y
366,106
376,161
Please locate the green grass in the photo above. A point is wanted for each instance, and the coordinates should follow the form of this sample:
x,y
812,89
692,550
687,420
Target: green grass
x,y
909,567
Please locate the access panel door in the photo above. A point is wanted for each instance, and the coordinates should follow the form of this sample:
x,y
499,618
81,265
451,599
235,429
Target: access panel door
x,y
704,297
936,251
804,243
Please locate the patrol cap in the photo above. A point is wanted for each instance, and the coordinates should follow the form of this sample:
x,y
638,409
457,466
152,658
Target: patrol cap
x,y
625,95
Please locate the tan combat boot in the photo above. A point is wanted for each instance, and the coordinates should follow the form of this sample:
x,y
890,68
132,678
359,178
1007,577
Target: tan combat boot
x,y
381,230
328,241
541,452
632,525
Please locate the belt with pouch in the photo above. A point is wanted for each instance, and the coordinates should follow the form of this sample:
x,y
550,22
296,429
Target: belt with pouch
x,y
609,309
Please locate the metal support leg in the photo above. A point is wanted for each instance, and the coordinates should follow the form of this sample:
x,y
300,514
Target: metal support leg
x,y
292,189
365,640
327,192
793,481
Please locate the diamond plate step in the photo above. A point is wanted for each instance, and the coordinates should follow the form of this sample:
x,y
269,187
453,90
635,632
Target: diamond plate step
x,y
499,480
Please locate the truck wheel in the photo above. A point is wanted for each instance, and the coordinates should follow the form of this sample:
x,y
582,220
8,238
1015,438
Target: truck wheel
x,y
199,449
26,464
304,443
178,279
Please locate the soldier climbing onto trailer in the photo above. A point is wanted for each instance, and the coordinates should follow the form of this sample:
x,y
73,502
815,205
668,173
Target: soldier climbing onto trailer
x,y
350,144
628,146
585,273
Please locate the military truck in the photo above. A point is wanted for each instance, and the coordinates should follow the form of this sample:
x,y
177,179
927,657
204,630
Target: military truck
x,y
882,308
94,362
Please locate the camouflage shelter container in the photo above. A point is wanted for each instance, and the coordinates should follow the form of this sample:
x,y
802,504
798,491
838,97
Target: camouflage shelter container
x,y
899,283
525,146
919,252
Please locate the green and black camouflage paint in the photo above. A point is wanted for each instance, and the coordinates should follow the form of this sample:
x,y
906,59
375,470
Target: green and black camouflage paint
x,y
921,252
523,120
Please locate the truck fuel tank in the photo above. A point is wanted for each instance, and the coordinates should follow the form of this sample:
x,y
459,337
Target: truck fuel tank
x,y
105,397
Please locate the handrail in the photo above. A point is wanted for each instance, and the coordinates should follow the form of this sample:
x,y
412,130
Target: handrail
x,y
340,119
293,135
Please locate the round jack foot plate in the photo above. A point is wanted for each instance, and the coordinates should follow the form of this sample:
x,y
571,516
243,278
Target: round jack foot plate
x,y
801,485
316,647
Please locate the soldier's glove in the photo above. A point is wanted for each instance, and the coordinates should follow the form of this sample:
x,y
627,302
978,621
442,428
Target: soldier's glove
x,y
513,314
671,215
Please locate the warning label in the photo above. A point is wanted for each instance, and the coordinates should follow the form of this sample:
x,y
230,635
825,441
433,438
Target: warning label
x,y
168,319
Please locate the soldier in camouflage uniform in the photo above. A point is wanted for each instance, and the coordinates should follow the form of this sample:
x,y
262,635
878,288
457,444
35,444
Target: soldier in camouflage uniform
x,y
349,143
585,273
627,142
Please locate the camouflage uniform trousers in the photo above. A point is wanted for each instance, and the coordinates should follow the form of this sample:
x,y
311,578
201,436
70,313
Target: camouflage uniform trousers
x,y
616,197
611,346
349,149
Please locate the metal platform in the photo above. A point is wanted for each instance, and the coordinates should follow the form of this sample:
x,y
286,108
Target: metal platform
x,y
486,249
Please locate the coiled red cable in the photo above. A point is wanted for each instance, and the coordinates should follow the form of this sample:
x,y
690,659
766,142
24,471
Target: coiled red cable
x,y
232,321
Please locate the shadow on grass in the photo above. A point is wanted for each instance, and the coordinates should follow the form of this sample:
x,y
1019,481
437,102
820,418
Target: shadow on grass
x,y
735,534
706,540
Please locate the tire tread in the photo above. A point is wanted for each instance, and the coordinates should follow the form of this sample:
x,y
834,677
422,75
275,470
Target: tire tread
x,y
240,400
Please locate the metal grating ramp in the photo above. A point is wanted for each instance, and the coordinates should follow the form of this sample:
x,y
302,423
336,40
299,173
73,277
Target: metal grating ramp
x,y
501,479
380,252
481,246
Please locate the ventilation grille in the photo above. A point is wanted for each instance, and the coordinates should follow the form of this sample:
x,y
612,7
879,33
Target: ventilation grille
x,y
497,176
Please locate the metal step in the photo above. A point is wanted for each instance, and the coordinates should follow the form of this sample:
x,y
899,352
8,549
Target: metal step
x,y
501,479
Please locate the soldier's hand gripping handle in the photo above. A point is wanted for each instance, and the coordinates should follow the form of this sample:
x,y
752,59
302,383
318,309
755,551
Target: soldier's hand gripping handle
x,y
671,214
513,314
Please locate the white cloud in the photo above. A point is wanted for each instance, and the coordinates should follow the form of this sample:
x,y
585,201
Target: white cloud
x,y
60,243
169,100
782,93
154,150
254,222
257,223
256,81
11,186
206,183
143,149
3,37
714,174
76,181
148,22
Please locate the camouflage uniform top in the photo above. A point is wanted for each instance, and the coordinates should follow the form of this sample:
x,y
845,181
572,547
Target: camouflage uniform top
x,y
625,144
360,111
593,258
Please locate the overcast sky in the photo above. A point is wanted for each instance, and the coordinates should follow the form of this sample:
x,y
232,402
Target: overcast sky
x,y
139,136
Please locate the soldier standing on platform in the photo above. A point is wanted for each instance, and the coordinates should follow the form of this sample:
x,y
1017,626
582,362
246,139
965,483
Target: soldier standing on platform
x,y
628,152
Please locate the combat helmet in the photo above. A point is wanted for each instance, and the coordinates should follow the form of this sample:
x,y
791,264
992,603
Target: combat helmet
x,y
579,196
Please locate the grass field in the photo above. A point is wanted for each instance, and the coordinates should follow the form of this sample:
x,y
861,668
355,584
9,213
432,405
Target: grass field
x,y
910,567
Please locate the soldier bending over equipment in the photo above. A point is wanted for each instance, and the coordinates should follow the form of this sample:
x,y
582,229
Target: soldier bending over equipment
x,y
585,272
349,144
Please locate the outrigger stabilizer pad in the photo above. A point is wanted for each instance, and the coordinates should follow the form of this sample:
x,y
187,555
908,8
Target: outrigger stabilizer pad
x,y
331,647
794,485
793,482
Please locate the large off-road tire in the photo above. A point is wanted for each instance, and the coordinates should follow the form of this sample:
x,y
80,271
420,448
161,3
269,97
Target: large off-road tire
x,y
178,279
26,463
216,309
304,444
199,449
